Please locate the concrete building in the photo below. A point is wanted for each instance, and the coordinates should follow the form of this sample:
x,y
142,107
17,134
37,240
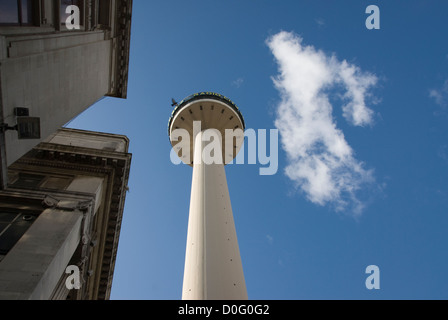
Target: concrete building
x,y
51,71
63,207
62,191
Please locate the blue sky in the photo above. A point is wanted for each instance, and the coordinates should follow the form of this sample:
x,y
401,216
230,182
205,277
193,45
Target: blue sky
x,y
383,202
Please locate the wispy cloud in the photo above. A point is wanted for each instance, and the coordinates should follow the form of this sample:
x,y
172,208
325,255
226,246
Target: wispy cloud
x,y
320,22
442,152
238,82
320,161
270,239
440,97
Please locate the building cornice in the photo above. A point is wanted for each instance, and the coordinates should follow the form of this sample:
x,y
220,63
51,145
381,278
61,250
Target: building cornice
x,y
123,23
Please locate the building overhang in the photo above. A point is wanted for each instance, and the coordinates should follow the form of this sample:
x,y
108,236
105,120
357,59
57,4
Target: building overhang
x,y
123,22
81,160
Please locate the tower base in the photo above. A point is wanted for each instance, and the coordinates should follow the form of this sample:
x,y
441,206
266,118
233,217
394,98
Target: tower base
x,y
213,267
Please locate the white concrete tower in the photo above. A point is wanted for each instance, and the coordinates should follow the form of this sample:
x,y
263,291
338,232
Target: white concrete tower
x,y
213,268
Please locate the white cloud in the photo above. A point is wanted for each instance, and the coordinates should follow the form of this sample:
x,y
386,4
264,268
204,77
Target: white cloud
x,y
320,161
440,96
357,84
320,22
238,82
442,152
437,96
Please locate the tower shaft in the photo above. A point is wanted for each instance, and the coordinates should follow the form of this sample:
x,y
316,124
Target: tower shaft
x,y
213,267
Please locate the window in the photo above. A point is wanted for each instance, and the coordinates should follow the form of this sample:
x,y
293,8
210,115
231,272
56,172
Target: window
x,y
13,225
104,12
65,4
23,180
27,180
16,12
56,183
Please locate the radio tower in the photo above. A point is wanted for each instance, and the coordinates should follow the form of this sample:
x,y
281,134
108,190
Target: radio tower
x,y
213,268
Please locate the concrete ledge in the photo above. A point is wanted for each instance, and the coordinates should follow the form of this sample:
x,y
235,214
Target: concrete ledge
x,y
42,253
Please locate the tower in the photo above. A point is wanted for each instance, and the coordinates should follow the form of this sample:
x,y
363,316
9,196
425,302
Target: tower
x,y
211,130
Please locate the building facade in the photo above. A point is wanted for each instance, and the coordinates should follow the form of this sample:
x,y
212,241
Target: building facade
x,y
62,191
50,71
63,208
